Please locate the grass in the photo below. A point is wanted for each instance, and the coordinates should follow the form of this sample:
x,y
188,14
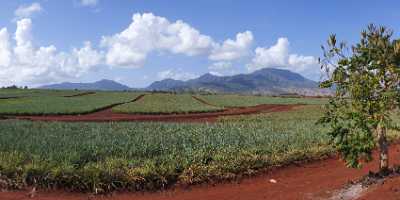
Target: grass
x,y
243,101
46,105
16,93
146,156
165,104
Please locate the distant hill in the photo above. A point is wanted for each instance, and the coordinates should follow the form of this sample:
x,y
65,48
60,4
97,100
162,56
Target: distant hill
x,y
104,84
267,81
264,81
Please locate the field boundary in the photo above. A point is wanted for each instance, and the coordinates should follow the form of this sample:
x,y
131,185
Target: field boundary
x,y
13,97
205,102
17,116
80,94
106,114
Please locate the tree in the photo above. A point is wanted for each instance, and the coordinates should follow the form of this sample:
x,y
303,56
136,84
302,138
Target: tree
x,y
365,80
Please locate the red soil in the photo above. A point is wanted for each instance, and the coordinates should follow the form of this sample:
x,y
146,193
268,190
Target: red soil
x,y
315,180
388,190
108,115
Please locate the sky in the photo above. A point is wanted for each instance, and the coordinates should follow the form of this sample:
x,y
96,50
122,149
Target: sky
x,y
136,42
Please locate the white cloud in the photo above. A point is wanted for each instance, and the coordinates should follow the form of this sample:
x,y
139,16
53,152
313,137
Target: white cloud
x,y
220,66
90,3
214,73
24,63
148,33
24,11
87,56
233,49
278,56
178,74
5,52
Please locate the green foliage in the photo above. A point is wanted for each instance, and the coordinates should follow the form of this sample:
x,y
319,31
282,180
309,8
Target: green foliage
x,y
243,101
366,81
165,104
48,104
146,156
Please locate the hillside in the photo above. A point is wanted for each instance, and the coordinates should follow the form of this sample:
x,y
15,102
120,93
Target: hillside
x,y
264,81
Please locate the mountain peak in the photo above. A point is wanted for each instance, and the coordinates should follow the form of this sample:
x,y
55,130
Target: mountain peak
x,y
264,81
106,80
207,77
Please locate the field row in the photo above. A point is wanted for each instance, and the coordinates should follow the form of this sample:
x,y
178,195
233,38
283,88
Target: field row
x,y
16,93
138,156
165,104
63,105
47,102
243,101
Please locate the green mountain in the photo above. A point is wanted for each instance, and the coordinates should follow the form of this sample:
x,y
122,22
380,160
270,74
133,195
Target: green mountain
x,y
263,81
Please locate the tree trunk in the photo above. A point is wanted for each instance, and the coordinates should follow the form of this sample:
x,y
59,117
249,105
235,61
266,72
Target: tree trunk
x,y
383,148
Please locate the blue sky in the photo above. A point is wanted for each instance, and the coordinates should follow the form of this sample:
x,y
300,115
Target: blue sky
x,y
86,40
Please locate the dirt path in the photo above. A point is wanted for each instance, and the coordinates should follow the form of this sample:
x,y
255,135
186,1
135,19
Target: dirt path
x,y
316,180
389,189
80,94
108,115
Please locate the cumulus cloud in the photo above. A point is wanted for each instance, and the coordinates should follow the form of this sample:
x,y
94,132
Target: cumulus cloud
x,y
87,56
24,11
24,63
5,53
148,33
90,3
278,56
233,49
220,66
178,74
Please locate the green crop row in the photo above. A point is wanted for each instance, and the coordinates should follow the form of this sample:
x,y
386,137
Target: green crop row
x,y
165,104
46,105
146,156
9,93
243,101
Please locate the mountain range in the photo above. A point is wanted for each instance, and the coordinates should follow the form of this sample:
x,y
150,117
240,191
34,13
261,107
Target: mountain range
x,y
107,85
263,81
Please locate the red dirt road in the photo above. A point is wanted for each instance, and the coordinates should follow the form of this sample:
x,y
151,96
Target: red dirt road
x,y
108,115
315,180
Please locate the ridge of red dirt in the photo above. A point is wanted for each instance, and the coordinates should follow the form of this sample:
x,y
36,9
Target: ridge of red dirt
x,y
314,180
106,114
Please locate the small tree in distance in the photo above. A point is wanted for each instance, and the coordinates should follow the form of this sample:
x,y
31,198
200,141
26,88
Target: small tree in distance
x,y
365,78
